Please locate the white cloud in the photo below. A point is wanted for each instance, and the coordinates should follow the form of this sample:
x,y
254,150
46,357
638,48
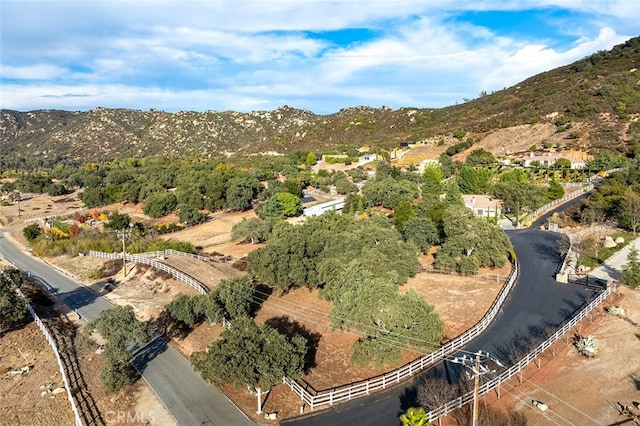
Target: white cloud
x,y
228,54
32,72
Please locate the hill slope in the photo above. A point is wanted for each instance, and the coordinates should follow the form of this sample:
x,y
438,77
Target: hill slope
x,y
593,102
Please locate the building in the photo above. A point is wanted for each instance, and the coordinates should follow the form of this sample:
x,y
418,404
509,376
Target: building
x,y
367,158
550,160
318,209
482,205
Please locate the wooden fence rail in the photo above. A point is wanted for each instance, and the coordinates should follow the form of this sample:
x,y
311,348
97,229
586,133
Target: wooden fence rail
x,y
54,347
332,396
169,252
520,365
187,279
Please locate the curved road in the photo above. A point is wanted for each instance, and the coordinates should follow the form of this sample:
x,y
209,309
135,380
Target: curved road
x,y
537,303
188,398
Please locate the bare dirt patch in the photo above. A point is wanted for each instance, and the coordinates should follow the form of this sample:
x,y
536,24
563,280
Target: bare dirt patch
x,y
208,273
213,233
21,401
461,301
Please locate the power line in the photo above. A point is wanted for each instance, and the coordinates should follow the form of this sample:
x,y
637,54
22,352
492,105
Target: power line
x,y
564,402
387,340
526,404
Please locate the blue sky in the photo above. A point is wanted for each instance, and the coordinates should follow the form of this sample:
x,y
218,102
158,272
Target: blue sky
x,y
246,55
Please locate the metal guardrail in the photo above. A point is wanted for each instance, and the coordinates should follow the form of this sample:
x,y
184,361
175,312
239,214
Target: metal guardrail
x,y
520,365
365,387
52,343
187,279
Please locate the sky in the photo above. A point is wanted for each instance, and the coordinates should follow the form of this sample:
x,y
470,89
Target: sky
x,y
247,55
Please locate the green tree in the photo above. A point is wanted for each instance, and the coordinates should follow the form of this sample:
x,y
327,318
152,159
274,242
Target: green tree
x,y
353,204
414,417
253,230
311,159
471,242
190,215
562,163
94,197
118,220
241,191
13,311
517,195
160,204
184,310
122,331
555,190
281,204
474,180
402,213
235,295
480,157
631,270
252,355
389,192
344,186
421,231
513,175
432,178
32,232
453,194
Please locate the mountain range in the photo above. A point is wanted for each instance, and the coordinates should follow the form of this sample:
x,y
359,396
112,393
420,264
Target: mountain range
x,y
591,104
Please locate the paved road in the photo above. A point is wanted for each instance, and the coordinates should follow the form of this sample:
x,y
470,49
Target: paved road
x,y
536,303
190,400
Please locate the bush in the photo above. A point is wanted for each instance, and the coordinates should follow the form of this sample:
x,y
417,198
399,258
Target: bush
x,y
160,204
115,376
31,232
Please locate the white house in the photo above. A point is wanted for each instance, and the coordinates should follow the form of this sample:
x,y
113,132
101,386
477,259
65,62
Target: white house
x,y
367,158
318,209
482,205
549,160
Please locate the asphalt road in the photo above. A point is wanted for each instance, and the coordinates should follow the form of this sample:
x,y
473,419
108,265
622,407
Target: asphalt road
x,y
536,304
190,399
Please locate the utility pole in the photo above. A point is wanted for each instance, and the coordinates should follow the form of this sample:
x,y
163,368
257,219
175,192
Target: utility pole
x,y
476,385
124,233
477,369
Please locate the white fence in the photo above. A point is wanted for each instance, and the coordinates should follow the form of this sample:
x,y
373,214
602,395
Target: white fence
x,y
170,252
516,368
586,188
566,198
344,393
187,279
52,343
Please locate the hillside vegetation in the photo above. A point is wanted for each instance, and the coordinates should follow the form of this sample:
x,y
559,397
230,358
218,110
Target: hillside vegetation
x,y
593,100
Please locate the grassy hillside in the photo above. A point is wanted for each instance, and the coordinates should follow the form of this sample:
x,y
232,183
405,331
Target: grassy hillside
x,y
600,95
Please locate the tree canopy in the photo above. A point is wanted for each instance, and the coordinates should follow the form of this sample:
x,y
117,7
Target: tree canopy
x,y
122,332
471,242
251,355
13,311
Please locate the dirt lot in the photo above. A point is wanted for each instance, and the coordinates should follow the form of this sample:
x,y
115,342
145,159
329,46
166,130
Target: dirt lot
x,y
22,401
